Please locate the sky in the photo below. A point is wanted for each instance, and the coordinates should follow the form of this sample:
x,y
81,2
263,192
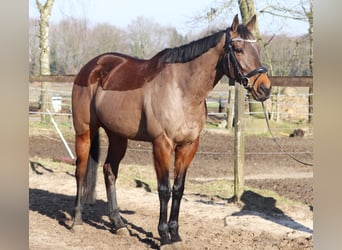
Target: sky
x,y
175,13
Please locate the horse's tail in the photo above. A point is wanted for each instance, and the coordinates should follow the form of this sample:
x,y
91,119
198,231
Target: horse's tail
x,y
89,184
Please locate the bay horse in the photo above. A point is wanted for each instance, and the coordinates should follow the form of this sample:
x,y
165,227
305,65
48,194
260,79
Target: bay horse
x,y
162,101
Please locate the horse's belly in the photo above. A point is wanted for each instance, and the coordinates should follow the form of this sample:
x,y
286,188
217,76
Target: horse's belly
x,y
120,112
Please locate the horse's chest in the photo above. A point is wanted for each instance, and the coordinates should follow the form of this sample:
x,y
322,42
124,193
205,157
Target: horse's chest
x,y
185,126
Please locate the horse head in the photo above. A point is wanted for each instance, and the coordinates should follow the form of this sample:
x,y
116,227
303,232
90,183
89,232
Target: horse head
x,y
242,60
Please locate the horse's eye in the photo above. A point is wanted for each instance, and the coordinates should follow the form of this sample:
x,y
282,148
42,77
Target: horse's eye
x,y
238,50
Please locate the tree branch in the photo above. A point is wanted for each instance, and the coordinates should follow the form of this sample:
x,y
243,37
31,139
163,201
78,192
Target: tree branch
x,y
269,40
284,16
39,6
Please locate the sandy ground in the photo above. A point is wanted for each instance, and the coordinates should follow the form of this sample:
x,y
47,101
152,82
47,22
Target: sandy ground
x,y
206,222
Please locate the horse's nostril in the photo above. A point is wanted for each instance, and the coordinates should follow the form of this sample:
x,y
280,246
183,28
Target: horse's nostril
x,y
263,89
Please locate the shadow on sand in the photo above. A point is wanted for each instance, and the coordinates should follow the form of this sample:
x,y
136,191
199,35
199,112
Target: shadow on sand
x,y
60,207
265,207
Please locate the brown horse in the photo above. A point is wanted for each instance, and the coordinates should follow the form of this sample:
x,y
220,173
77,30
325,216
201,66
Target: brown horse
x,y
160,100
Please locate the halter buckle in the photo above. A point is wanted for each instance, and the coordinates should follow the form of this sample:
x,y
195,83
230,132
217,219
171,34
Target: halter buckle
x,y
245,81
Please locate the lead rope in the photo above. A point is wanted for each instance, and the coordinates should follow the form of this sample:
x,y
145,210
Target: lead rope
x,y
281,148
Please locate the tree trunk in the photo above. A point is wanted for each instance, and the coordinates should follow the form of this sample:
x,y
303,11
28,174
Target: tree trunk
x,y
310,18
247,10
44,57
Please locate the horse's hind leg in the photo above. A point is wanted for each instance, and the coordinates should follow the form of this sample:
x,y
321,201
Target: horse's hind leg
x,y
116,151
87,153
183,157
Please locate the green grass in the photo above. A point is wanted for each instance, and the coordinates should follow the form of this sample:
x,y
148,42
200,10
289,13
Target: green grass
x,y
212,105
223,189
257,126
38,128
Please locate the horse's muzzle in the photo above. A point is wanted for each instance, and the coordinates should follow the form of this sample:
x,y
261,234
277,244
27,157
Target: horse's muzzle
x,y
262,93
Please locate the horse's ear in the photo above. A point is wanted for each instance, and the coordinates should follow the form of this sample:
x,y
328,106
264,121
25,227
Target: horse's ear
x,y
251,23
235,24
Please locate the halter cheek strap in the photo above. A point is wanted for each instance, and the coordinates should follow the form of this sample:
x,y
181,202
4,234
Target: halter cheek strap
x,y
243,79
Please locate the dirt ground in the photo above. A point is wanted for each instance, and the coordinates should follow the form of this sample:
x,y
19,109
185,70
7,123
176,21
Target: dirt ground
x,y
259,222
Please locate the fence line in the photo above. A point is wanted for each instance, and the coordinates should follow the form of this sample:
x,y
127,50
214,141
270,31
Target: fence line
x,y
299,111
229,153
282,81
46,113
50,90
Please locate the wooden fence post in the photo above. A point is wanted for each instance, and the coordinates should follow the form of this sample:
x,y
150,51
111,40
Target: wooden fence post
x,y
45,100
230,108
239,142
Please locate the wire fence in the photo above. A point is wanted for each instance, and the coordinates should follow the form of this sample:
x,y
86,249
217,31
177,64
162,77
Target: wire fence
x,y
292,104
289,105
292,109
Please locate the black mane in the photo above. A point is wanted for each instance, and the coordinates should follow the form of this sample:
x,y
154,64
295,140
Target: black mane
x,y
244,32
190,51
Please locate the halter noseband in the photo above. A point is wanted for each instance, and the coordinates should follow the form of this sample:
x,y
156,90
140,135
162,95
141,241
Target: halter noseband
x,y
244,79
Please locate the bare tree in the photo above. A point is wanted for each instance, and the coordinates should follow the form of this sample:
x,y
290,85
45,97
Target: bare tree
x,y
107,38
218,12
302,11
44,58
69,44
297,11
73,42
174,38
146,37
247,10
34,47
309,15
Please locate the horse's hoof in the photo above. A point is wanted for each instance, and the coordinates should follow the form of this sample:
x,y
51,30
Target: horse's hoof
x,y
178,245
166,247
75,228
173,246
123,231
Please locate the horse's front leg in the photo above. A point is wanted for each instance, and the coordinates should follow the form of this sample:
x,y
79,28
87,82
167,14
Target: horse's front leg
x,y
183,157
162,150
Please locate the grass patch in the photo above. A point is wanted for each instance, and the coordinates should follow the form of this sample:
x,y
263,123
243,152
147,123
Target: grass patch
x,y
137,176
212,105
38,128
134,176
223,189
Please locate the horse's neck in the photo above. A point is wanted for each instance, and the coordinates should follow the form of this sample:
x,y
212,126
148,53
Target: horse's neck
x,y
202,76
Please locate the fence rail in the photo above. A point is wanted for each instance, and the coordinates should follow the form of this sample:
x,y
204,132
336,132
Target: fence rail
x,y
291,107
281,81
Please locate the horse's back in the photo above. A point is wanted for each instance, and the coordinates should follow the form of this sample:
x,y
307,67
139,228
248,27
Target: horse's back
x,y
127,96
115,71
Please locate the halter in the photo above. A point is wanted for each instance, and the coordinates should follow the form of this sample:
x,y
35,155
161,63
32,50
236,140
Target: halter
x,y
244,79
